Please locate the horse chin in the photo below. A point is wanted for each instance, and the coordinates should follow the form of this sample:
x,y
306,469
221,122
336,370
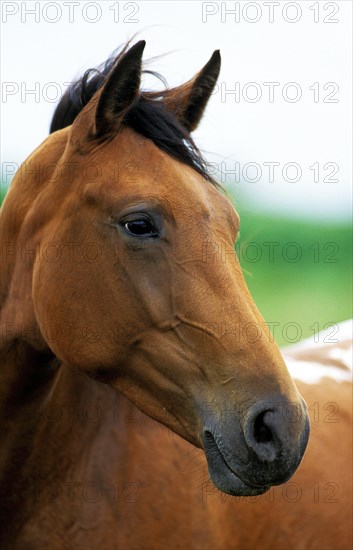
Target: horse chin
x,y
223,477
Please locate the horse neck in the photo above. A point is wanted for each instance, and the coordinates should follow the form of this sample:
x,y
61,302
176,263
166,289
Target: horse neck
x,y
24,356
43,401
53,435
20,216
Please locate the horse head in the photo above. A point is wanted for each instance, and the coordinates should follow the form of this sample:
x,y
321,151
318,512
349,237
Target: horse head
x,y
134,280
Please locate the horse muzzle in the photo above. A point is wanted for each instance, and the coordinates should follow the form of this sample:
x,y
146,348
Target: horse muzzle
x,y
247,454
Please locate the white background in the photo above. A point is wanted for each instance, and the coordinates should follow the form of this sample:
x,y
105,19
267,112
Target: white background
x,y
42,48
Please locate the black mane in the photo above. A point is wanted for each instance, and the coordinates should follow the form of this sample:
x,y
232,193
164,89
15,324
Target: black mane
x,y
148,116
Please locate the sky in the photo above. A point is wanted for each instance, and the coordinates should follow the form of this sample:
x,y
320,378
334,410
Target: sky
x,y
278,128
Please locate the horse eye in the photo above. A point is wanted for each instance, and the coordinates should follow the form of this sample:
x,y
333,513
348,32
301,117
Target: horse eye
x,y
141,228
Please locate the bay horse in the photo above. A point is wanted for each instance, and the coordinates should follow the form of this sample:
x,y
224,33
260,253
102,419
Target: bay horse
x,y
144,401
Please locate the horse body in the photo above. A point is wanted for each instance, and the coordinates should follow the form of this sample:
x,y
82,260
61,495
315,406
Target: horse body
x,y
105,475
119,295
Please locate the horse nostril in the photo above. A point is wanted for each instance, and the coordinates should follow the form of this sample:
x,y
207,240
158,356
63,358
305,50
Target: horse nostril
x,y
262,432
276,436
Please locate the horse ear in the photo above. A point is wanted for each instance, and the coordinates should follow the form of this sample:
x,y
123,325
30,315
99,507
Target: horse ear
x,y
189,101
120,91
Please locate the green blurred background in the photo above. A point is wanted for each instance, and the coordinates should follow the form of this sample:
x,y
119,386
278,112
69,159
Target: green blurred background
x,y
299,272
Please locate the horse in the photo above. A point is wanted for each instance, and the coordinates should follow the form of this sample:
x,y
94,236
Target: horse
x,y
144,401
